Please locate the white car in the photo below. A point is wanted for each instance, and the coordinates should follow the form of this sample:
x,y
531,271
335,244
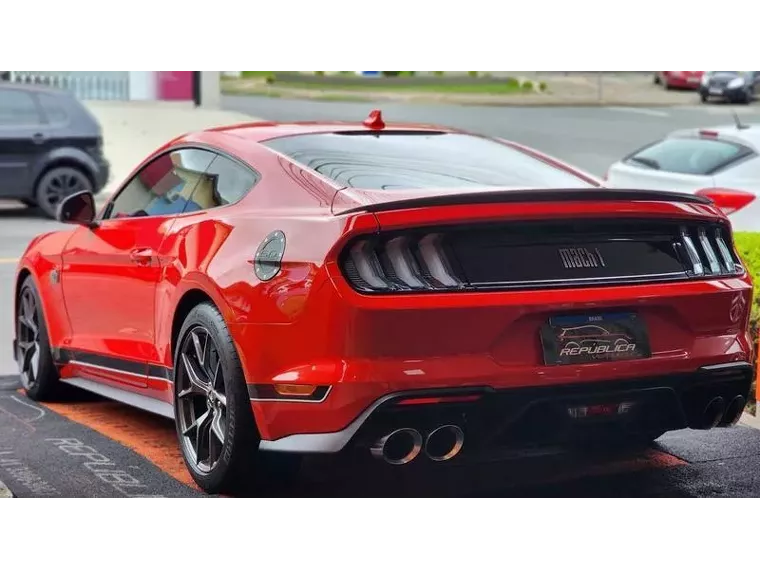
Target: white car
x,y
721,163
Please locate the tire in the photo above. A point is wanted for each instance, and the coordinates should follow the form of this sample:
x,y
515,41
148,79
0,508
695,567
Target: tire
x,y
39,375
703,97
230,461
656,80
58,183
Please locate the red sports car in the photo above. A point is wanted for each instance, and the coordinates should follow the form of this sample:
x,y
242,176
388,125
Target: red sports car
x,y
678,79
400,291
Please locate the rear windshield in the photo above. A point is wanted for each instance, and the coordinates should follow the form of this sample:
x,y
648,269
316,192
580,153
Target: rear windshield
x,y
408,160
698,156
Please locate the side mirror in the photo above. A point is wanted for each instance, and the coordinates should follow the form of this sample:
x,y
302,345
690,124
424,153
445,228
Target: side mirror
x,y
78,208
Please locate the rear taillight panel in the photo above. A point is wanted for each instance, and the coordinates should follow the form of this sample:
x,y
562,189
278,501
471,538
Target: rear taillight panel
x,y
399,263
536,255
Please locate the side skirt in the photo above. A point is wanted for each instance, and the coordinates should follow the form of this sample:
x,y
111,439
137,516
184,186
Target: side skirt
x,y
133,399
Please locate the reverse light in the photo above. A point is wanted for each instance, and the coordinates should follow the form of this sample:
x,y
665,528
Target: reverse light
x,y
727,200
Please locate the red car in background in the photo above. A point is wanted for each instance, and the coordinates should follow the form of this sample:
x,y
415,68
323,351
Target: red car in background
x,y
678,79
407,292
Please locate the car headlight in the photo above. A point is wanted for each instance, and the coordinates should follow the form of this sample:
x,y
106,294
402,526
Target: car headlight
x,y
736,82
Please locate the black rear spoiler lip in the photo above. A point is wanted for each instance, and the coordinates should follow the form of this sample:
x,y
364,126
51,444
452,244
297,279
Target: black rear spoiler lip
x,y
533,196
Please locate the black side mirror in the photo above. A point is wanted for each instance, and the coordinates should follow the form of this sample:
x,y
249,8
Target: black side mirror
x,y
78,208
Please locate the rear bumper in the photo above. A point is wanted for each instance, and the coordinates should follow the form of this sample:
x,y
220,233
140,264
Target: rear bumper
x,y
499,418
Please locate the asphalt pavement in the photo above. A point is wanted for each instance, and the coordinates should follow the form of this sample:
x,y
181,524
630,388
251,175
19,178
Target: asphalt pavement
x,y
91,447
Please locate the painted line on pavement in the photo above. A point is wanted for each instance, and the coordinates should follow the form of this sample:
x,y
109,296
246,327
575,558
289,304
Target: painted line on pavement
x,y
152,437
639,111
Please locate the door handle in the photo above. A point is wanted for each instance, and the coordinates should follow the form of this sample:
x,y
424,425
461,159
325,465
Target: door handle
x,y
141,256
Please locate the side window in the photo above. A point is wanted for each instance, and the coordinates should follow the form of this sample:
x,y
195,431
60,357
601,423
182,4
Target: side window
x,y
17,108
53,109
164,186
226,182
696,156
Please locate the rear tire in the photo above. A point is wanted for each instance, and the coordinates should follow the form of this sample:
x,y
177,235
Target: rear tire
x,y
220,450
39,375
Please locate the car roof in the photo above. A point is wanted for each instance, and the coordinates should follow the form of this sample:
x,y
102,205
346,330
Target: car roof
x,y
749,136
263,130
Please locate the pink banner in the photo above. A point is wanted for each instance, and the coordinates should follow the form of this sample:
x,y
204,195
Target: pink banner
x,y
175,85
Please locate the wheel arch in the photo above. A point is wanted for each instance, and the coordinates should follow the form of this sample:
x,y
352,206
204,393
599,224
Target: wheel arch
x,y
66,158
189,300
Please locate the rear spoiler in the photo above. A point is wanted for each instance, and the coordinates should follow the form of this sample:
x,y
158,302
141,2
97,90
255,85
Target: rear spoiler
x,y
533,196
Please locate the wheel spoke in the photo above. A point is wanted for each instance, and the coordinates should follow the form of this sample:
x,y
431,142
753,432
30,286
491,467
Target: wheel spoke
x,y
202,433
216,377
222,399
200,351
197,385
217,426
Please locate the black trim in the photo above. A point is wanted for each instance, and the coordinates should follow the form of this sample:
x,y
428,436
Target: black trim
x,y
266,392
119,365
533,196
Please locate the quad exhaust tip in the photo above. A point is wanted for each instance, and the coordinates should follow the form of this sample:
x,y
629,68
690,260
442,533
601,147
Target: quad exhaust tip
x,y
444,443
399,447
733,411
713,413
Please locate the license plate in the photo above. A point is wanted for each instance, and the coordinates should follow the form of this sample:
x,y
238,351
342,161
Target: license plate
x,y
716,91
594,338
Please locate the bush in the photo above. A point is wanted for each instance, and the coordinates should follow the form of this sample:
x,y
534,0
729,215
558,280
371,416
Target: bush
x,y
748,246
543,86
270,78
438,73
527,85
512,82
472,73
391,73
319,73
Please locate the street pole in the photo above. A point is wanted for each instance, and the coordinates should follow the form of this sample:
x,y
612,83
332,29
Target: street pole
x,y
197,88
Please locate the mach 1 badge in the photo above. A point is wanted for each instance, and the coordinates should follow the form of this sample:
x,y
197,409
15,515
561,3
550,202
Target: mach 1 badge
x,y
592,338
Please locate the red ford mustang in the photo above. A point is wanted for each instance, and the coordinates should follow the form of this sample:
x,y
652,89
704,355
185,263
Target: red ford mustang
x,y
402,291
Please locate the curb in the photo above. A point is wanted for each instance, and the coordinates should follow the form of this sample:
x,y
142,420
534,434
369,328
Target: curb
x,y
379,98
5,491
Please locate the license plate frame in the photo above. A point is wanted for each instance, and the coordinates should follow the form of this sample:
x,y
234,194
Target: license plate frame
x,y
594,338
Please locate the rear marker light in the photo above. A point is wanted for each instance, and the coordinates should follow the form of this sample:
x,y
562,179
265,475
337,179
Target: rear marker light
x,y
295,390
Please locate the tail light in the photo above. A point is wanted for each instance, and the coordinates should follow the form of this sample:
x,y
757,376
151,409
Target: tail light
x,y
728,201
400,263
708,252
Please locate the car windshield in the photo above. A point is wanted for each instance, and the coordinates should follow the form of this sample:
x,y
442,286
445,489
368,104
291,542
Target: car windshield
x,y
698,156
420,159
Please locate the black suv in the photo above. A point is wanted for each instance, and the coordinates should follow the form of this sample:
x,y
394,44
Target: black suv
x,y
50,146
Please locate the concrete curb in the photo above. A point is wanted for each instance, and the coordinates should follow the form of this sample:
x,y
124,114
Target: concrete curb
x,y
5,491
511,101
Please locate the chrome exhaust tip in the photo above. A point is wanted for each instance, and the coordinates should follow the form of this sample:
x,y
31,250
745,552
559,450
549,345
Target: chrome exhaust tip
x,y
713,413
398,447
444,443
734,411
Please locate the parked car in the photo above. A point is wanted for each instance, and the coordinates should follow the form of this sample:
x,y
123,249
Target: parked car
x,y
407,292
731,86
721,163
51,146
678,79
